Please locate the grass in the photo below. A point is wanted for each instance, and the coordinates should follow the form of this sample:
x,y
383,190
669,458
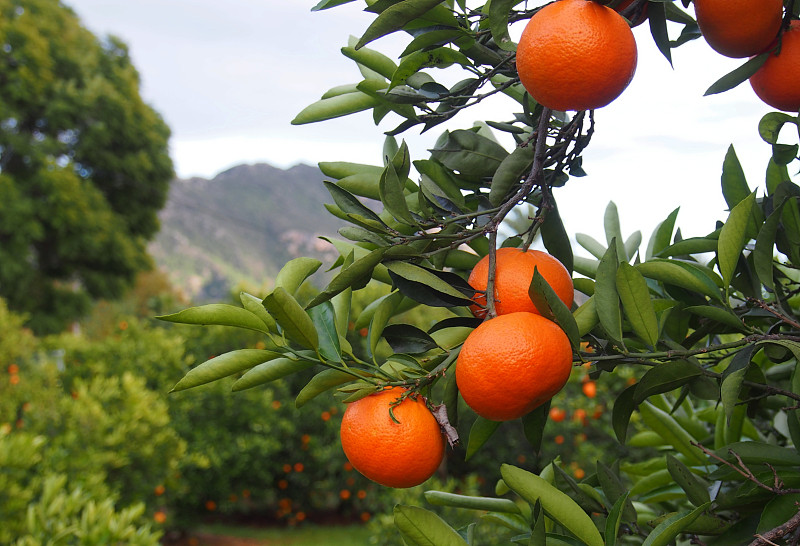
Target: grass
x,y
306,535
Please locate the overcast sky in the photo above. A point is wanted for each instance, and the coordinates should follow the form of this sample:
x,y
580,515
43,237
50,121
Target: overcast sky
x,y
229,76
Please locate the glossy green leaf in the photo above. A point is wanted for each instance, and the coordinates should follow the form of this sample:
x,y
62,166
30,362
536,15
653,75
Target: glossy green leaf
x,y
440,57
778,511
622,411
406,338
695,487
635,297
586,317
350,204
556,239
498,23
354,276
680,274
421,527
256,306
393,197
613,230
218,314
760,453
296,323
395,18
769,127
380,319
324,318
613,488
662,235
322,382
334,107
222,366
665,377
614,519
556,504
432,39
472,155
442,498
589,502
718,314
695,245
606,296
550,306
657,20
763,252
591,245
421,275
733,237
295,272
533,424
480,432
513,169
734,184
737,75
374,60
668,428
436,179
327,4
666,531
270,371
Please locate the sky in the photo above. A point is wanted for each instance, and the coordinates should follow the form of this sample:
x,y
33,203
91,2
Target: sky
x,y
228,77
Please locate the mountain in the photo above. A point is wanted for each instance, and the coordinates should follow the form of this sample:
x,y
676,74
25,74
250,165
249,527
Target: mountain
x,y
242,226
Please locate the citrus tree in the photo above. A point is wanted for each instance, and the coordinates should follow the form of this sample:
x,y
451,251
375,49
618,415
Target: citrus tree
x,y
705,329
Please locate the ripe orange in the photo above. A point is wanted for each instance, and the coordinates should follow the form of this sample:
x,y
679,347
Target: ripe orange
x,y
590,389
777,82
576,55
511,364
557,414
394,454
739,28
513,275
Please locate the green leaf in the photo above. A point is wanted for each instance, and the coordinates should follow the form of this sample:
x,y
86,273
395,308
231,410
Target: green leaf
x,y
481,430
635,297
586,317
533,424
383,313
695,487
405,338
778,511
270,371
769,127
555,238
657,17
737,76
668,428
614,519
666,531
440,57
395,18
587,501
296,323
256,306
556,504
322,382
374,60
394,200
614,489
734,184
694,245
622,411
514,168
472,155
354,276
324,319
760,453
425,277
680,274
551,307
614,231
350,204
733,237
665,377
222,366
421,527
327,4
295,272
763,252
662,235
334,107
442,498
218,314
718,314
591,245
605,295
498,23
437,180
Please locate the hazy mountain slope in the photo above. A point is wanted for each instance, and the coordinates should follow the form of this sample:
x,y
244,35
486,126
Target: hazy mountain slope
x,y
242,225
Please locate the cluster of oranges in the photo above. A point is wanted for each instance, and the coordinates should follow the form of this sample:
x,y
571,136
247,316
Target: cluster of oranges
x,y
744,28
509,365
581,55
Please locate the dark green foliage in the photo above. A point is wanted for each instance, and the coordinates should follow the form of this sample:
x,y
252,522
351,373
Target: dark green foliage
x,y
84,166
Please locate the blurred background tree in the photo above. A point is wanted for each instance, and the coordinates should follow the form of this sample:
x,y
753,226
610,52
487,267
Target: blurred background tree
x,y
84,165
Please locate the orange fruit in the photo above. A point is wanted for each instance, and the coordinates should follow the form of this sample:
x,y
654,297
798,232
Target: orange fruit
x,y
777,82
557,414
639,17
511,364
739,28
513,275
590,389
395,454
576,55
